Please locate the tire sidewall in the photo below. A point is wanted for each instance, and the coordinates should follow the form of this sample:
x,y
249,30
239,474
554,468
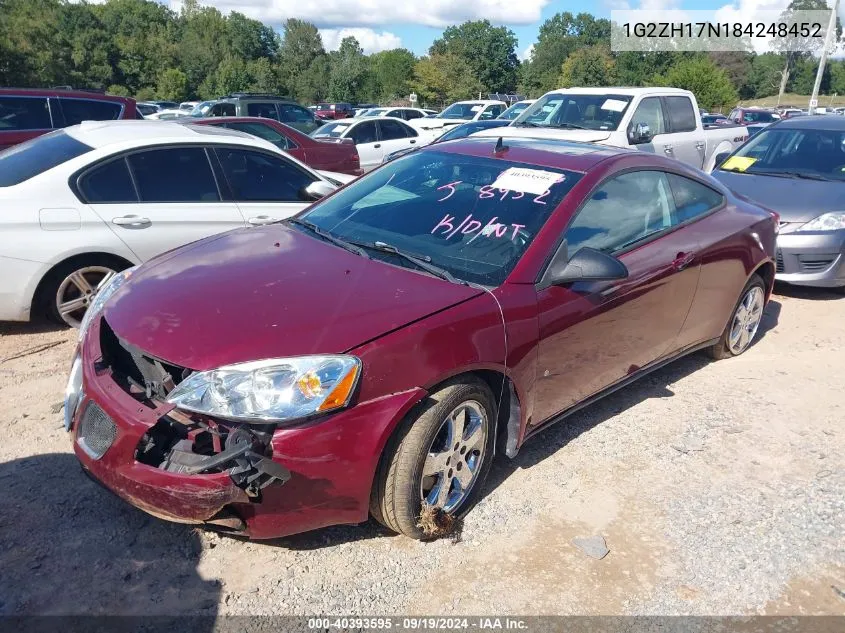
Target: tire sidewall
x,y
755,280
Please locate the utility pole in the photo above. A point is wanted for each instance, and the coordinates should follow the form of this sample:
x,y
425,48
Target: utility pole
x,y
828,42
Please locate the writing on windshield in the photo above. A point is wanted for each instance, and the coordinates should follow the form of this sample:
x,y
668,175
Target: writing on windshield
x,y
577,111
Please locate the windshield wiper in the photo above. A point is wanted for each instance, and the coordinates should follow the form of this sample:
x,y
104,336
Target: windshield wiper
x,y
320,232
571,126
794,174
527,124
424,263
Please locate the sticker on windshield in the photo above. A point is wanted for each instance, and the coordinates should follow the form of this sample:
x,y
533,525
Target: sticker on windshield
x,y
738,163
614,104
536,181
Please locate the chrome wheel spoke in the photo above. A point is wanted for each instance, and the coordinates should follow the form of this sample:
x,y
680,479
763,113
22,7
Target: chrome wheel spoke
x,y
464,477
435,463
444,487
106,278
457,424
71,306
475,439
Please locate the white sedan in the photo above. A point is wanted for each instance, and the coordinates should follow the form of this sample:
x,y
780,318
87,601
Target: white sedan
x,y
406,114
373,137
461,112
78,204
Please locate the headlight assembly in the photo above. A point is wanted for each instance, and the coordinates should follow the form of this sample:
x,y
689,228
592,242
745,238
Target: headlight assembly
x,y
104,293
271,391
833,221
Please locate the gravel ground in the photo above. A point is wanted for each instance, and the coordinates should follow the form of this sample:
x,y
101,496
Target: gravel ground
x,y
718,488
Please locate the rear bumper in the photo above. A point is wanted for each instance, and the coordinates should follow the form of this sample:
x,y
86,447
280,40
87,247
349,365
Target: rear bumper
x,y
811,259
331,463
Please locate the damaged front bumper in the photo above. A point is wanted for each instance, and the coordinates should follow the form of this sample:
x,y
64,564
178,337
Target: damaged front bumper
x,y
258,481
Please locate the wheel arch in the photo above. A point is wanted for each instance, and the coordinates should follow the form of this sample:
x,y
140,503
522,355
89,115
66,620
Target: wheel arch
x,y
36,299
766,270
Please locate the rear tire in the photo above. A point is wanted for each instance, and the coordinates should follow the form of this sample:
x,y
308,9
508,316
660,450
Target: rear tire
x,y
73,283
744,322
430,440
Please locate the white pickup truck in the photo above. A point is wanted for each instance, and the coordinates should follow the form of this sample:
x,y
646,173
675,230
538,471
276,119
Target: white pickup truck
x,y
658,120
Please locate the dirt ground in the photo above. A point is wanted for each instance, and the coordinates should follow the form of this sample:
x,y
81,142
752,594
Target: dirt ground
x,y
718,488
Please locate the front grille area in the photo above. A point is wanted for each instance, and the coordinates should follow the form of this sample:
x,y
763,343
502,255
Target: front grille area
x,y
815,263
97,431
779,262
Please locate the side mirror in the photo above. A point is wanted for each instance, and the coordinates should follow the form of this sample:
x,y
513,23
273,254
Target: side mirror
x,y
587,264
317,189
721,157
641,133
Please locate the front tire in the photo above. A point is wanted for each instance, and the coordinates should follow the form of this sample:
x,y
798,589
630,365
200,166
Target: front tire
x,y
744,322
440,454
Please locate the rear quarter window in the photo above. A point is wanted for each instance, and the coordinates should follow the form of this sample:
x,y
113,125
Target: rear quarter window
x,y
24,113
78,110
681,114
27,160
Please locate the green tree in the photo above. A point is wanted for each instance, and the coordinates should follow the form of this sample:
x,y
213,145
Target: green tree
x,y
440,79
590,66
204,42
393,70
118,91
172,85
348,71
635,68
765,75
488,50
837,77
709,84
737,67
303,64
559,37
147,93
250,39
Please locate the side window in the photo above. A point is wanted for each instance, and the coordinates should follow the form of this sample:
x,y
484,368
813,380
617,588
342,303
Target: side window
x,y
264,131
391,130
623,211
223,109
399,114
258,177
692,199
364,133
650,112
24,113
734,115
108,184
413,114
178,174
681,114
79,110
294,114
263,110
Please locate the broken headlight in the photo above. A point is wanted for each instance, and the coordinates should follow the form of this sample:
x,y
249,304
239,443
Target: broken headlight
x,y
105,290
272,390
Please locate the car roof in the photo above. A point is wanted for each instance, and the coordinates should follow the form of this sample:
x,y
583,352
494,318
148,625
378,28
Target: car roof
x,y
484,101
214,121
102,134
831,123
60,92
552,153
633,92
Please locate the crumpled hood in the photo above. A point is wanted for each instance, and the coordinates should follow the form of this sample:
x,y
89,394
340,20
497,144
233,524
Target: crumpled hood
x,y
509,131
268,292
794,199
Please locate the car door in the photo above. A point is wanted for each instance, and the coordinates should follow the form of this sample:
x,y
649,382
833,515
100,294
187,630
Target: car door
x,y
370,151
268,133
266,187
685,141
595,333
650,112
395,135
157,199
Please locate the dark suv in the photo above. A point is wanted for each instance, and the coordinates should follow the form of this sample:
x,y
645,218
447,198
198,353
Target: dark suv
x,y
29,112
266,106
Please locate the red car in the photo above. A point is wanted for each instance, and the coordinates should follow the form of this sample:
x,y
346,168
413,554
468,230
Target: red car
x,y
328,155
334,110
374,353
29,112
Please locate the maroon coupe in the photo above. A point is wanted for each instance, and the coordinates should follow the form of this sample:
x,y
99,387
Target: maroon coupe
x,y
376,352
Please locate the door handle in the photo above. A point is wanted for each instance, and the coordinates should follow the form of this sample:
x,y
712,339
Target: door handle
x,y
668,149
377,145
682,260
132,221
260,220
413,141
699,146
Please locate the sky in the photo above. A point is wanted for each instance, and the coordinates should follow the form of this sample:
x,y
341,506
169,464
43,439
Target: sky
x,y
385,24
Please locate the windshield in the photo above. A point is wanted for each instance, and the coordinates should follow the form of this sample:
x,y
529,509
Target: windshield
x,y
813,153
36,156
466,213
465,129
324,106
579,111
331,130
514,111
758,117
461,111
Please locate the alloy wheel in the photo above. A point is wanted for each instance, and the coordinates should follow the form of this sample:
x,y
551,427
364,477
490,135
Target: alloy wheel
x,y
746,320
455,457
77,292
